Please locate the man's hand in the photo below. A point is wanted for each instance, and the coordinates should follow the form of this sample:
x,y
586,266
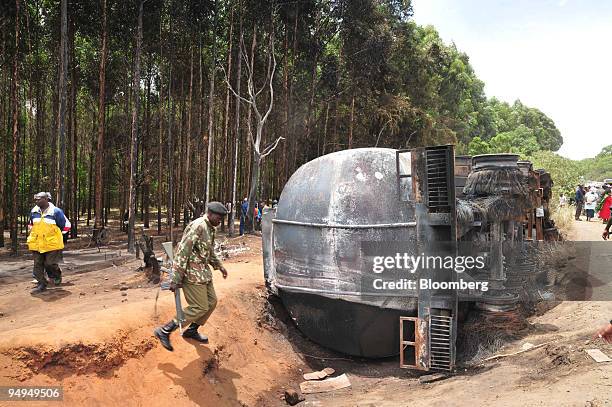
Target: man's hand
x,y
223,272
604,333
605,235
174,286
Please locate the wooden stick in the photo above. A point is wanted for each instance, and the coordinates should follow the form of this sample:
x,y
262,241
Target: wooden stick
x,y
516,353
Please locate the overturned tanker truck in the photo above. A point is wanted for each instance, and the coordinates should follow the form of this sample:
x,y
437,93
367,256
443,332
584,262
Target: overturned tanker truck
x,y
424,200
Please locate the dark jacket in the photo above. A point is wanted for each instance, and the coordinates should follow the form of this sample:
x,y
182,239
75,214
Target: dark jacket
x,y
579,195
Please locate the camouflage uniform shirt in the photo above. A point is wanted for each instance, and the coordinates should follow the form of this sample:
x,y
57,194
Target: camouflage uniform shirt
x,y
195,253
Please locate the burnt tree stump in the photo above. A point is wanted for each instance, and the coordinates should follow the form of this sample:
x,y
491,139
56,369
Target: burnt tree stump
x,y
151,269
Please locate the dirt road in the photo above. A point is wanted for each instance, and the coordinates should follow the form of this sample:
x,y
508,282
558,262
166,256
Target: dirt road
x,y
95,339
587,231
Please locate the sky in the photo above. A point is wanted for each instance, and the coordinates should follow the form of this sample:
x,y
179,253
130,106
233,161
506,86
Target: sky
x,y
554,55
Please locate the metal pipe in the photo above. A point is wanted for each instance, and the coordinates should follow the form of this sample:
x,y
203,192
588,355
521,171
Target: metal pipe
x,y
337,226
342,293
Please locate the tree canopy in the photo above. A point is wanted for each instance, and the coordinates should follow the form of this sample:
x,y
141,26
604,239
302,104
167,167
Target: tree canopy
x,y
349,74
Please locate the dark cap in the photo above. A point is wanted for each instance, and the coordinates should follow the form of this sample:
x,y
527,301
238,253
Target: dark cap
x,y
217,207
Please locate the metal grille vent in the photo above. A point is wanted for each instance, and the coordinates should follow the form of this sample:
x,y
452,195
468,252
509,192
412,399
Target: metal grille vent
x,y
440,328
437,178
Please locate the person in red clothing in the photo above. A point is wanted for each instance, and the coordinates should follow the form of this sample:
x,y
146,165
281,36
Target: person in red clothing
x,y
606,204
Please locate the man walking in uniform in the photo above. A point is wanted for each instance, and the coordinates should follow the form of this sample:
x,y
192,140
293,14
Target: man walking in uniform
x,y
579,202
47,223
195,255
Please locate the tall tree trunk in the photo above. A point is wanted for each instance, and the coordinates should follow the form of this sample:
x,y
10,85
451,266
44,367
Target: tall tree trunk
x,y
62,94
325,129
14,243
235,203
98,219
350,135
160,154
146,187
170,113
211,107
134,140
3,143
249,224
2,178
294,139
227,101
179,165
187,166
199,188
284,173
91,188
74,139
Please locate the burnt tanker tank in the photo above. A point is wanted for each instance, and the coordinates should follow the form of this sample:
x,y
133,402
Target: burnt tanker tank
x,y
312,248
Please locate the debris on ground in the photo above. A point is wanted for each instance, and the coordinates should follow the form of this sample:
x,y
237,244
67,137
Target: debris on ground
x,y
527,346
322,386
523,350
430,378
292,397
597,355
226,250
559,355
321,374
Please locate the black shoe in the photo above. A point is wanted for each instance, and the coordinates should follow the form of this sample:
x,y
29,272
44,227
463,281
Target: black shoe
x,y
41,287
163,334
192,333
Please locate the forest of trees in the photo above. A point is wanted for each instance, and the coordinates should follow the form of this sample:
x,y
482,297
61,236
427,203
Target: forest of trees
x,y
153,107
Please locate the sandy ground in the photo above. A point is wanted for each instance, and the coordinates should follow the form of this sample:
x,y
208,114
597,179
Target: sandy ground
x,y
95,340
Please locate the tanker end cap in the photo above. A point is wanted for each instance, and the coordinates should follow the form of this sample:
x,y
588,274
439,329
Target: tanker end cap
x,y
217,207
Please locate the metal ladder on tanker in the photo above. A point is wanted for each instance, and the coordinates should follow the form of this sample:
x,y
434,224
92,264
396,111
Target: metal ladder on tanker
x,y
427,341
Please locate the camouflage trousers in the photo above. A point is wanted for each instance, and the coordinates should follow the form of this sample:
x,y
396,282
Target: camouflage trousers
x,y
201,302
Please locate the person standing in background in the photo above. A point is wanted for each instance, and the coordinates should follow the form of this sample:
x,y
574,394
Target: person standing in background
x,y
579,199
604,206
243,214
589,205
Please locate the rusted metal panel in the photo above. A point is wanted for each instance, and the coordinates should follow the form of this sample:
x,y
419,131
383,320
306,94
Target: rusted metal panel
x,y
419,345
422,348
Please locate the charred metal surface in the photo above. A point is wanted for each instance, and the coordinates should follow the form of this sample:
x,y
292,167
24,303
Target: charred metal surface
x,y
267,244
488,161
327,208
463,167
313,257
495,174
349,327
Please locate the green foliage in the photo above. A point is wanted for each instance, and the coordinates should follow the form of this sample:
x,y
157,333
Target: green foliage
x,y
521,140
568,173
362,67
599,167
478,146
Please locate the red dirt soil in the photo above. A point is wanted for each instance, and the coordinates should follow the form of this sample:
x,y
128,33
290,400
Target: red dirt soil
x,y
98,344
